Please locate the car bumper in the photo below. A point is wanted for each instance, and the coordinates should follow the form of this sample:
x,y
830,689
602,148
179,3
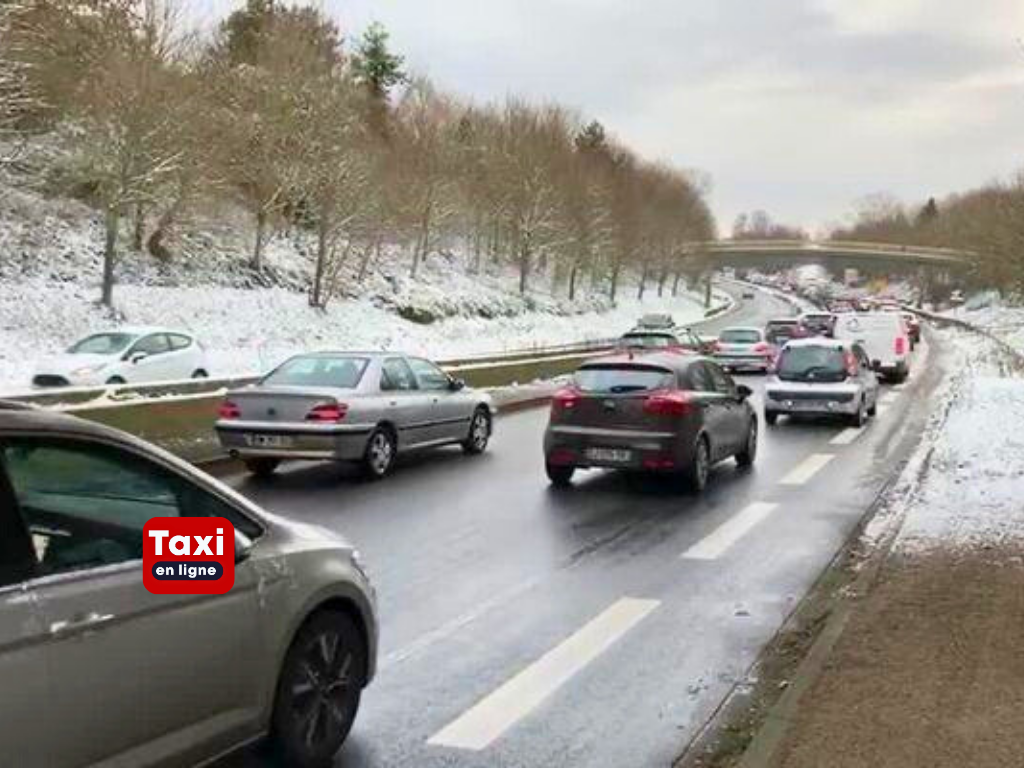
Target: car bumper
x,y
587,447
744,362
330,442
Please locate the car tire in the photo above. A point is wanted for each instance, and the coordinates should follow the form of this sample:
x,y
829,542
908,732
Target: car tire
x,y
479,432
746,457
379,456
319,688
115,381
263,467
559,475
696,475
860,418
873,410
770,418
199,373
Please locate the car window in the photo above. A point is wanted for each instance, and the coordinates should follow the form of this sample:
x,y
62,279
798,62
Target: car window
x,y
700,378
102,344
85,505
723,383
396,376
617,379
649,340
428,375
740,336
178,341
342,372
154,344
17,559
811,363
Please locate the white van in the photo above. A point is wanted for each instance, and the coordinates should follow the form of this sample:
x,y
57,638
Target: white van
x,y
884,337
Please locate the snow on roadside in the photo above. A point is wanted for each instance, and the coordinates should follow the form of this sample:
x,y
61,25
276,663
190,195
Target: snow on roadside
x,y
247,330
968,494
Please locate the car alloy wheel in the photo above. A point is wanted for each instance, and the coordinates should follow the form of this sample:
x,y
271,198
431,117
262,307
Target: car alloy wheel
x,y
380,453
479,432
698,475
746,457
319,691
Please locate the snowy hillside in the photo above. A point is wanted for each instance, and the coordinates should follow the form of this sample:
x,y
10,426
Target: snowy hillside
x,y
49,275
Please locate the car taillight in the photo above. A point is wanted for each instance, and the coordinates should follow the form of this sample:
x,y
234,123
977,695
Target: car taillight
x,y
850,361
716,346
565,399
668,403
901,345
761,347
327,412
229,410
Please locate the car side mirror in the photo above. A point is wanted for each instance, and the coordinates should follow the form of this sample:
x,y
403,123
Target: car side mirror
x,y
743,392
243,547
456,384
137,357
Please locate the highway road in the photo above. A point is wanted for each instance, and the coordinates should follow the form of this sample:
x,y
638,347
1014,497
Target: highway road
x,y
598,626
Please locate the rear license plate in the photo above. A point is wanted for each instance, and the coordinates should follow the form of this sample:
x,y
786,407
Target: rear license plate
x,y
268,441
610,455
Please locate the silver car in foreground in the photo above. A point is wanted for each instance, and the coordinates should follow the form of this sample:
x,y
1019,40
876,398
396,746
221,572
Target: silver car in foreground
x,y
97,670
822,376
364,407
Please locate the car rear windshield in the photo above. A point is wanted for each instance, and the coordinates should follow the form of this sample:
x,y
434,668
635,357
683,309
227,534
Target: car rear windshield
x,y
811,364
621,378
737,336
102,344
649,340
334,372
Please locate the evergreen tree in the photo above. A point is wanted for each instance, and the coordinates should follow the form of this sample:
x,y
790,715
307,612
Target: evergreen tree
x,y
929,212
376,67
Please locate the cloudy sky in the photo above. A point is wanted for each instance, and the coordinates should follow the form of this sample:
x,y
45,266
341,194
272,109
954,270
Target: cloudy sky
x,y
800,107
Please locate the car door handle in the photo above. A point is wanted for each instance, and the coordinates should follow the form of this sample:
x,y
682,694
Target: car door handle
x,y
79,623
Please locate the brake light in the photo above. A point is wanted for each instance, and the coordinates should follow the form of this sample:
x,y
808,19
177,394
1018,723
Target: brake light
x,y
565,399
229,410
901,345
761,347
716,346
668,402
328,412
850,360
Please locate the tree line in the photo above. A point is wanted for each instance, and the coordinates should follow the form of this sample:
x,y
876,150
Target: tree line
x,y
988,221
277,113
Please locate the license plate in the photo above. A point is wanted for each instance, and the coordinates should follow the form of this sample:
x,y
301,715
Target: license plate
x,y
610,455
268,441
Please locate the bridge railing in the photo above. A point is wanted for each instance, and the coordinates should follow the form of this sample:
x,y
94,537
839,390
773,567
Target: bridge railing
x,y
928,252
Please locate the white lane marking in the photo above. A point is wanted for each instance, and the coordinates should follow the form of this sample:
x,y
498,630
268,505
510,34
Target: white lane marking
x,y
847,436
807,469
728,533
493,715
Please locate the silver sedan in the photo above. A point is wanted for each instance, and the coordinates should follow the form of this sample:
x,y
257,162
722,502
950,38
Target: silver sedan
x,y
364,407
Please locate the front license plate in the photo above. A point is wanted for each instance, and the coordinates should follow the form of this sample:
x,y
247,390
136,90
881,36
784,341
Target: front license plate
x,y
268,441
610,455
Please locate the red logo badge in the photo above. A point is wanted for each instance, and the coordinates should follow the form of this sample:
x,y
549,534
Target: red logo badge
x,y
188,555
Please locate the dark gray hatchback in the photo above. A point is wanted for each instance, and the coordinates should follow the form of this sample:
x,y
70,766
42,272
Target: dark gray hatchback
x,y
664,412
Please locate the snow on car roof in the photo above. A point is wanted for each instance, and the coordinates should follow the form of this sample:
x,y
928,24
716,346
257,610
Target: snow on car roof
x,y
818,341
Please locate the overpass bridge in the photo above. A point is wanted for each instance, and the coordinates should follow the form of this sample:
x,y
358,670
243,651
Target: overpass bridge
x,y
882,256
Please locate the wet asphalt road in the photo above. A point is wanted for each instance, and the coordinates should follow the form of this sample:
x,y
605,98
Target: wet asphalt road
x,y
611,619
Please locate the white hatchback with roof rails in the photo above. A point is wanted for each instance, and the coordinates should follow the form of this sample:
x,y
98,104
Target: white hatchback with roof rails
x,y
884,337
822,376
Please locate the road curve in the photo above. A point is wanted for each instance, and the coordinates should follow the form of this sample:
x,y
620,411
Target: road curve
x,y
600,626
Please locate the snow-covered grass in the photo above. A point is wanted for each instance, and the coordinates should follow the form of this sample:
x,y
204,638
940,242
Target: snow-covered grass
x,y
968,480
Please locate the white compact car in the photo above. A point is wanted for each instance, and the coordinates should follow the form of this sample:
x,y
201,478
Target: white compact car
x,y
125,356
884,337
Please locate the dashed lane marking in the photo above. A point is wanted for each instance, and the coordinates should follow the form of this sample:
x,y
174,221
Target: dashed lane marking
x,y
489,718
716,543
807,469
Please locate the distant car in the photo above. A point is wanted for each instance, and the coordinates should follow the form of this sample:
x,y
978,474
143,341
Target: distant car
x,y
818,323
168,680
884,337
820,376
125,356
364,407
656,320
913,327
779,331
748,294
956,298
646,338
660,413
744,349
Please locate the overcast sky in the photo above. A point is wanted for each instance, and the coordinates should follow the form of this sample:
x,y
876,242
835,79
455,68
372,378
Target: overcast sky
x,y
800,107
